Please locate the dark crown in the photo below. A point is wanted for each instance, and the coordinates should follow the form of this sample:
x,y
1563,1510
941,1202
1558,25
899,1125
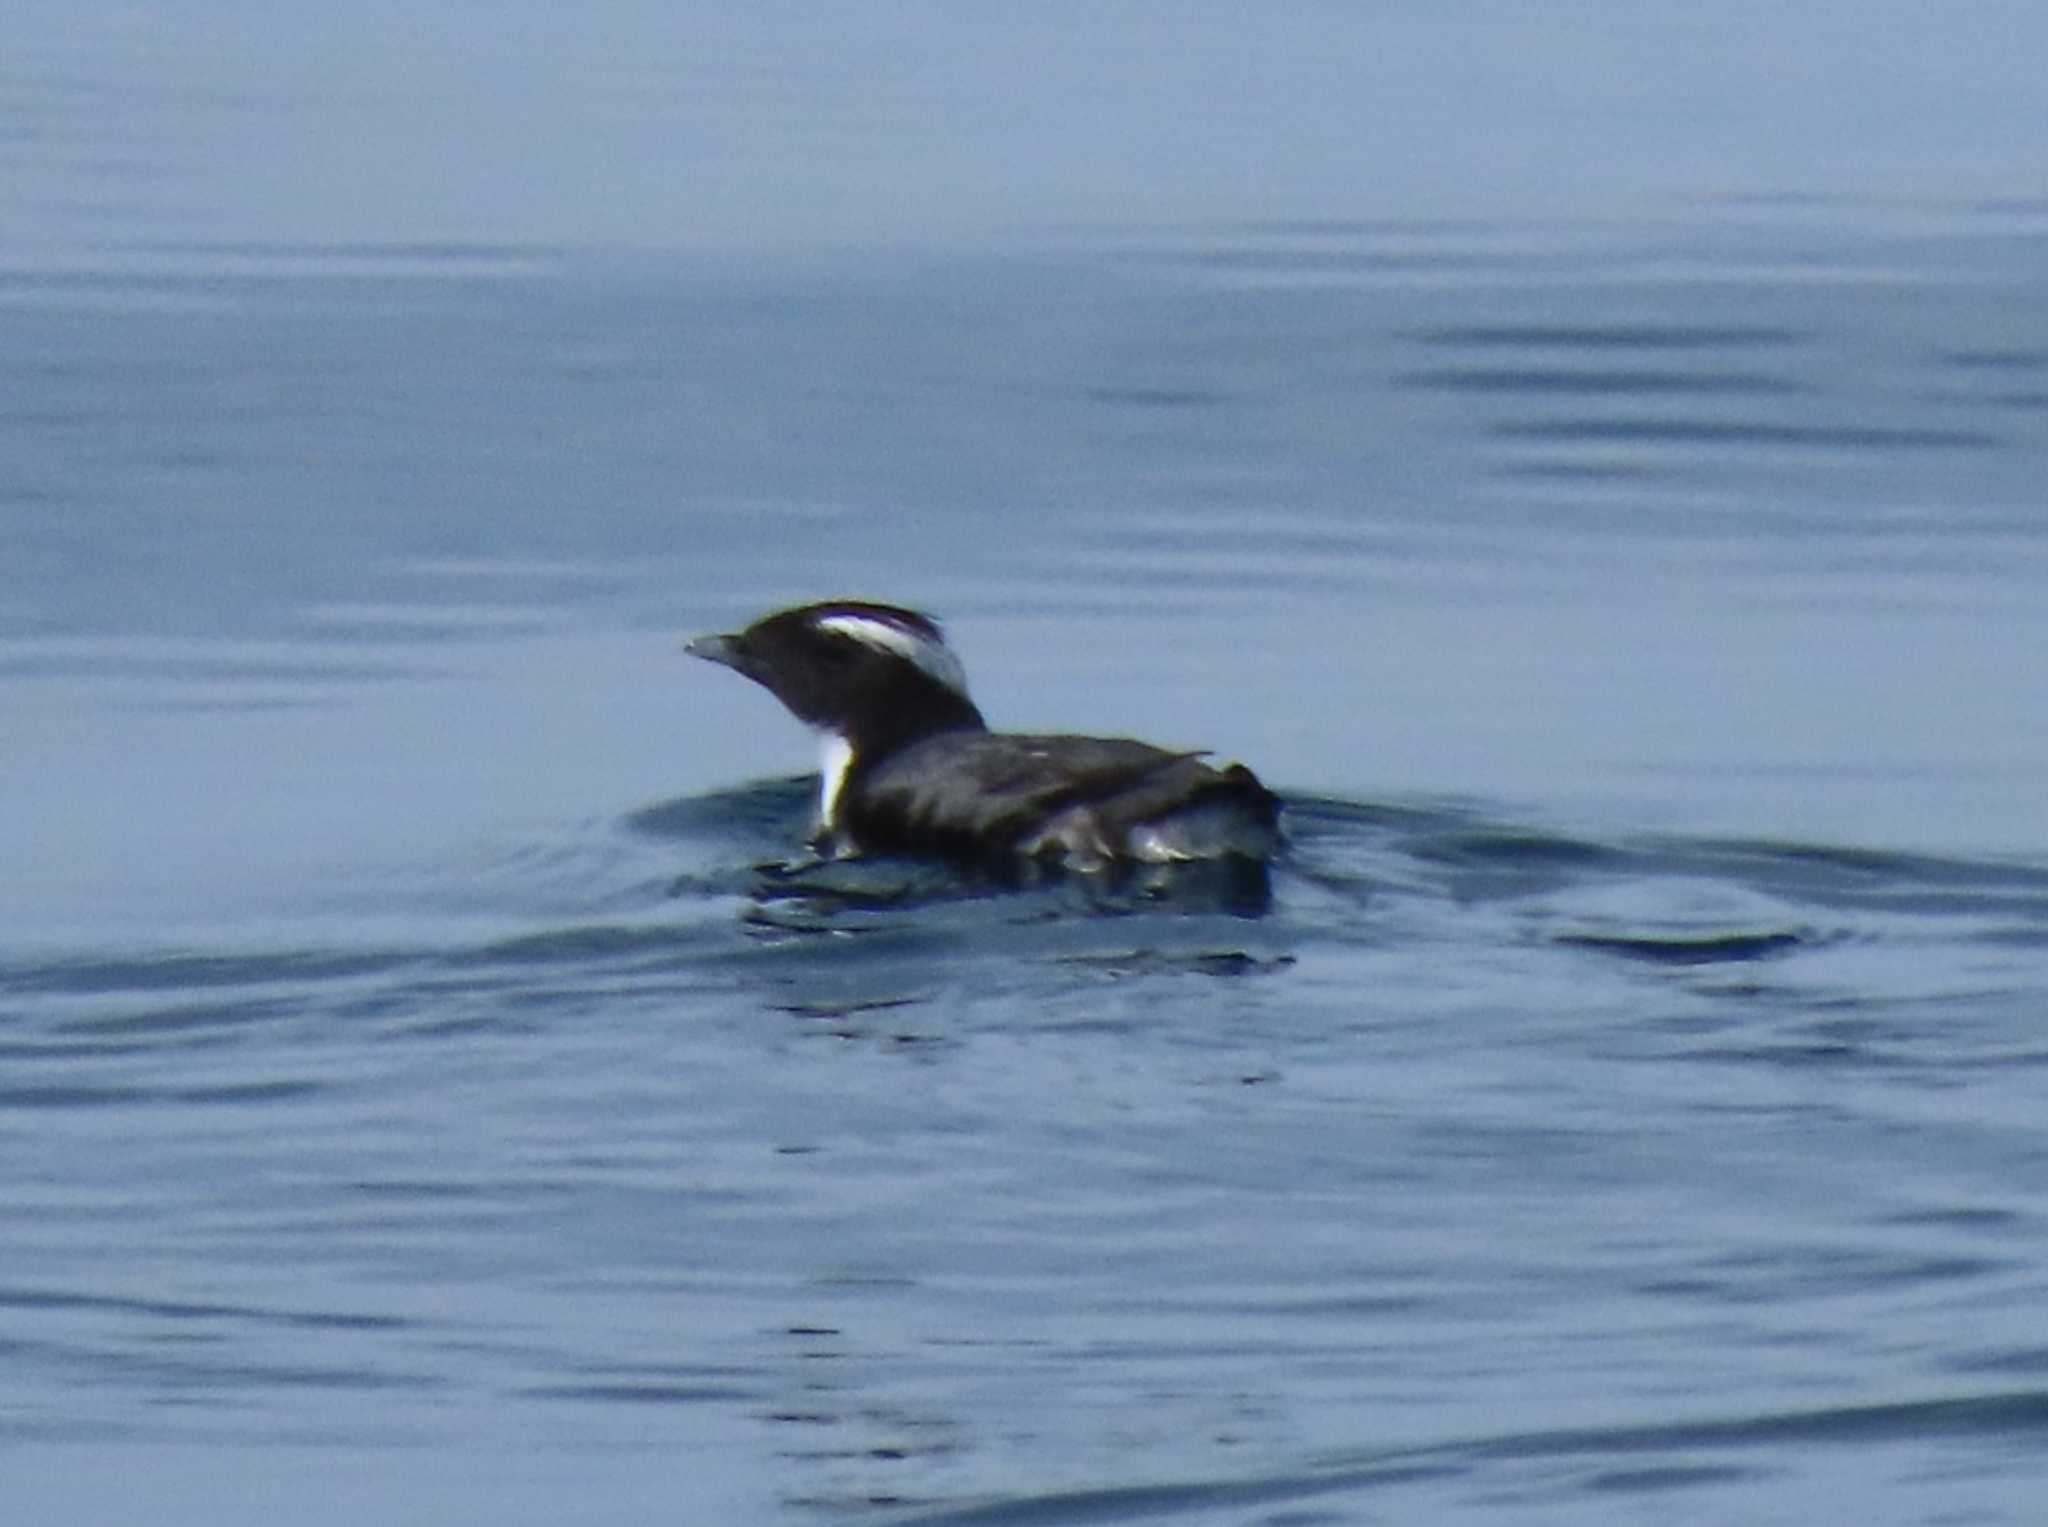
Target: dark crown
x,y
879,675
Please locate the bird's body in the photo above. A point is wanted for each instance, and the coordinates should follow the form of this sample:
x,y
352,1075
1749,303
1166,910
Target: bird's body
x,y
911,768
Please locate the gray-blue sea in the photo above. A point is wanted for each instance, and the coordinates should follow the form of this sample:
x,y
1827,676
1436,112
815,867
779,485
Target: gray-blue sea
x,y
1591,459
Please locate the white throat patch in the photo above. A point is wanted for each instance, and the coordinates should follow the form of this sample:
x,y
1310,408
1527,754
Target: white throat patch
x,y
833,762
934,657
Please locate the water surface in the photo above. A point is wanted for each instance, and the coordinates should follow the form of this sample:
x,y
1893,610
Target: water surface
x,y
427,1093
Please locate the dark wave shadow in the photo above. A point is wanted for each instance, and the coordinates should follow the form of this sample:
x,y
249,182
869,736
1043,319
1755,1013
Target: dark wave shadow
x,y
1710,949
1623,336
1591,382
1678,431
758,814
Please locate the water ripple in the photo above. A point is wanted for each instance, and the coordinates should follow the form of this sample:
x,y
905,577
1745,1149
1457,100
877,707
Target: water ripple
x,y
1993,1417
1740,433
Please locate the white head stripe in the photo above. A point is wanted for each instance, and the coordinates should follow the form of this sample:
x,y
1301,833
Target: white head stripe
x,y
933,656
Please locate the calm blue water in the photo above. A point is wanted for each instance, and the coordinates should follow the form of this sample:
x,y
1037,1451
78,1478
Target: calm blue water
x,y
1591,464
